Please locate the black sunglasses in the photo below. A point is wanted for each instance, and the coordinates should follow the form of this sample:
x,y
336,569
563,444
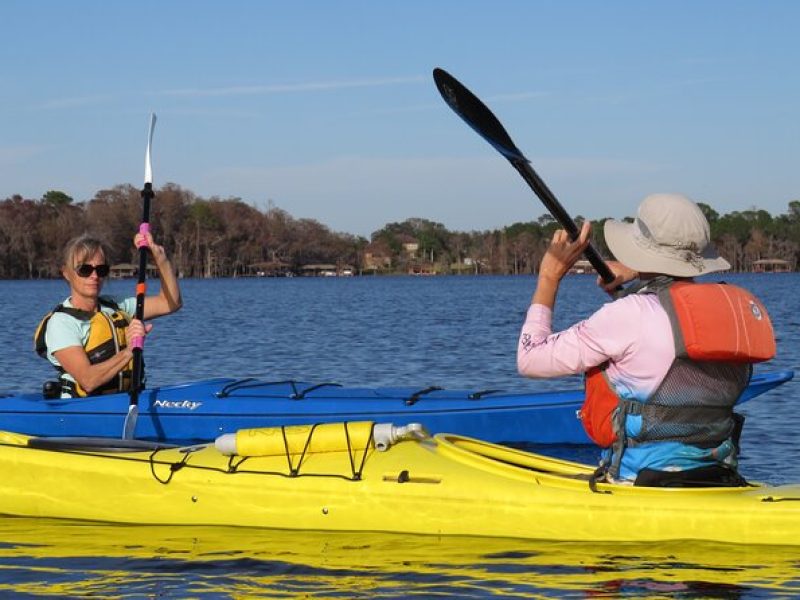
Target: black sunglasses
x,y
86,270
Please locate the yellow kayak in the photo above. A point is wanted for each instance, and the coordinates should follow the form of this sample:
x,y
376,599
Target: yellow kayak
x,y
362,477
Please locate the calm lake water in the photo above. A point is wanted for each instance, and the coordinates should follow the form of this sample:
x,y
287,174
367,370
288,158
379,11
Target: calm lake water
x,y
451,332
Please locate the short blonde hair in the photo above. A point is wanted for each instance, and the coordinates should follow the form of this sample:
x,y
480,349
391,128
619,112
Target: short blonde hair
x,y
81,247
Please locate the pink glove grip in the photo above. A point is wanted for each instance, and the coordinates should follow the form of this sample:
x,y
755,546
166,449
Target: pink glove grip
x,y
144,229
137,342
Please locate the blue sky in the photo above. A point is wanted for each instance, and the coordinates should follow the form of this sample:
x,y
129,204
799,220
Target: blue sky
x,y
328,109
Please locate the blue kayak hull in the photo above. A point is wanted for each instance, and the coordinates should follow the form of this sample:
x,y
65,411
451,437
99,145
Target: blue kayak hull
x,y
201,411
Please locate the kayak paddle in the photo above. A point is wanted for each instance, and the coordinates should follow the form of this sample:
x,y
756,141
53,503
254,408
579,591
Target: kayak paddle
x,y
478,116
137,343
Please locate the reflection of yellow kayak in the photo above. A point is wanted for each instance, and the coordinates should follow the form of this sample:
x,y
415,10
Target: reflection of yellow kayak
x,y
333,478
110,560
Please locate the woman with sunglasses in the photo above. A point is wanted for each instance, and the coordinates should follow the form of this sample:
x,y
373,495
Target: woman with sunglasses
x,y
86,336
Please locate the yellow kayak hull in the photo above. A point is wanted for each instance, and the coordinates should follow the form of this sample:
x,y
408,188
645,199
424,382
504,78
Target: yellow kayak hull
x,y
444,485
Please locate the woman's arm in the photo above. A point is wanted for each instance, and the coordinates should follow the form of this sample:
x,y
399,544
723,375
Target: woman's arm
x,y
74,360
608,334
90,377
540,352
168,299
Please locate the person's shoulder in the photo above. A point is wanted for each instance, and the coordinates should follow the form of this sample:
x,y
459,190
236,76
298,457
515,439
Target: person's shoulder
x,y
61,321
57,314
631,302
628,308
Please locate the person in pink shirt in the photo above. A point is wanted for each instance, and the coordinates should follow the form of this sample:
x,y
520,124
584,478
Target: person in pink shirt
x,y
630,344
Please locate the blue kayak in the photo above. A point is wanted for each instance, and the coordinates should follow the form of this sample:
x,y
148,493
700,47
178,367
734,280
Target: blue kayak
x,y
200,411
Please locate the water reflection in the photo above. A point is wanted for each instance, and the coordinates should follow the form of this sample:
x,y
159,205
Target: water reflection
x,y
42,557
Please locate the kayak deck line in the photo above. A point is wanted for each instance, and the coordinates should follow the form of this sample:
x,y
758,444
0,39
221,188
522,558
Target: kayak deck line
x,y
252,383
780,499
96,444
415,397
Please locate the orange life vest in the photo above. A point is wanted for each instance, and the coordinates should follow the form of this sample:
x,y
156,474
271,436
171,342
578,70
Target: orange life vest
x,y
719,330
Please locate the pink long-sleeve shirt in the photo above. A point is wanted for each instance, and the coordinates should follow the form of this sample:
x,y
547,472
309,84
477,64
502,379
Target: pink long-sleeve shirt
x,y
633,334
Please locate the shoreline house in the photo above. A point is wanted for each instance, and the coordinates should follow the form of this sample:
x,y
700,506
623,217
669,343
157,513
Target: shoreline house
x,y
129,270
327,270
582,267
271,268
771,265
377,257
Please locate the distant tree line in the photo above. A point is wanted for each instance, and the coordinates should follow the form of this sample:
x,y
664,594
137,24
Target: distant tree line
x,y
214,237
203,237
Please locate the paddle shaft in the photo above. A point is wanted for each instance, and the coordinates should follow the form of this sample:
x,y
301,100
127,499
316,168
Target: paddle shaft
x,y
137,376
559,214
478,116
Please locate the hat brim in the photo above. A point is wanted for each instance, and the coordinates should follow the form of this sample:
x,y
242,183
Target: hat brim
x,y
622,242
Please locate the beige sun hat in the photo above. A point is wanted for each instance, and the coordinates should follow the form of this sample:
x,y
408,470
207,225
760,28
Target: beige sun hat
x,y
670,235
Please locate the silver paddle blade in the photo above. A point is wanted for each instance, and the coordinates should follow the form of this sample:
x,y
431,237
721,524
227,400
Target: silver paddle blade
x,y
130,422
148,169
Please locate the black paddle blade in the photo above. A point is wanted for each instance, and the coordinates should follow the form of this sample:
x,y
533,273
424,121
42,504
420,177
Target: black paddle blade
x,y
476,114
